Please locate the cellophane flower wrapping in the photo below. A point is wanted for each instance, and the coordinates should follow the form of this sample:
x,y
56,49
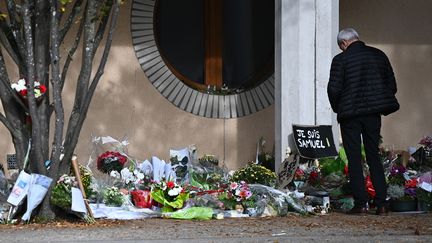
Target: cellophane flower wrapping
x,y
38,188
273,201
170,195
236,193
112,196
200,213
206,174
108,154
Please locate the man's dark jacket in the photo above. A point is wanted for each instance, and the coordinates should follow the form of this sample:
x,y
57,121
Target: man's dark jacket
x,y
361,83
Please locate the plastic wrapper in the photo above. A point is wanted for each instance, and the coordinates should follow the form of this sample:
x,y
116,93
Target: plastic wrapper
x,y
20,189
179,161
205,200
425,177
108,154
122,213
201,213
37,190
274,202
333,181
207,175
4,187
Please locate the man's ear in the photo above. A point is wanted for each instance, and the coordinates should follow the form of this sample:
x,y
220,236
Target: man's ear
x,y
344,45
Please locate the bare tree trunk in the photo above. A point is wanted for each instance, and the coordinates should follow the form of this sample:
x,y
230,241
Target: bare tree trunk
x,y
24,37
42,52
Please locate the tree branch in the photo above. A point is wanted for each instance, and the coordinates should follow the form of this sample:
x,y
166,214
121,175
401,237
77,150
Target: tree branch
x,y
16,29
7,124
88,54
73,134
56,84
102,27
42,61
71,54
36,128
7,84
76,9
10,44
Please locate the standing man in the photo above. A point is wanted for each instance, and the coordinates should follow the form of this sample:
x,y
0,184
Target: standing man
x,y
361,88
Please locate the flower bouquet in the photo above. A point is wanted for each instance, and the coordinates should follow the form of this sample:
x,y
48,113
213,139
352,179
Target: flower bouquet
x,y
206,175
426,142
61,194
137,183
236,196
401,190
170,195
113,197
424,191
255,174
111,160
21,88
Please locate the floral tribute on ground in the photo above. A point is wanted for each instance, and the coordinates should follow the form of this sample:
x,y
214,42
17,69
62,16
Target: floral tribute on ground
x,y
120,186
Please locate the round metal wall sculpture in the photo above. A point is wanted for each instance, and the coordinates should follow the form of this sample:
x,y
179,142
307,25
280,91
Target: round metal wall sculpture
x,y
178,93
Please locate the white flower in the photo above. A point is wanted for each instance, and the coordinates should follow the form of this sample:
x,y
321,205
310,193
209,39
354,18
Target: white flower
x,y
20,85
173,192
140,176
126,175
115,174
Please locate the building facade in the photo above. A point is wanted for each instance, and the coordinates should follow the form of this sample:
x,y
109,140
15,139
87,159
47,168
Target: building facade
x,y
144,95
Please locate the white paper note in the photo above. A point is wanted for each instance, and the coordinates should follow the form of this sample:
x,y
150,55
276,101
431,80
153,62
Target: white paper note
x,y
20,189
78,204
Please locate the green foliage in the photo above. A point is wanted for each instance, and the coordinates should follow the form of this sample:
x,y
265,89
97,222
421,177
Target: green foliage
x,y
331,165
229,202
424,196
255,174
61,196
397,179
86,179
169,203
113,197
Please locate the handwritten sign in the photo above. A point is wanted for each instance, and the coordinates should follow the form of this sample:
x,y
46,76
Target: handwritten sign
x,y
314,142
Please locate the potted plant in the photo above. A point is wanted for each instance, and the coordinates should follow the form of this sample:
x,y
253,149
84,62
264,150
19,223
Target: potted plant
x,y
255,174
424,192
426,143
402,192
424,199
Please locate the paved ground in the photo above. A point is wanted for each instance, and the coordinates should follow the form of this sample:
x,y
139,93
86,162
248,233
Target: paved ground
x,y
334,227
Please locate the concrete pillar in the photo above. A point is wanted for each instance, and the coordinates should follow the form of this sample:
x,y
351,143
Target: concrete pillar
x,y
304,46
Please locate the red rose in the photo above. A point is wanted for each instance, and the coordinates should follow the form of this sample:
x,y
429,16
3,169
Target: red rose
x,y
313,177
170,184
369,187
411,183
346,172
23,92
42,88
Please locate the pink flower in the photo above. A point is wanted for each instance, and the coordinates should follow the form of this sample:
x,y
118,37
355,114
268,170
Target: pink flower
x,y
233,185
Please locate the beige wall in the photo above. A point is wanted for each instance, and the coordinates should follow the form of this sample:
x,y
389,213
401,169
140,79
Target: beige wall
x,y
126,103
402,29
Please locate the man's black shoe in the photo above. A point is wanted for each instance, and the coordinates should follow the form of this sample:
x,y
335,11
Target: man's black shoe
x,y
358,211
382,210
